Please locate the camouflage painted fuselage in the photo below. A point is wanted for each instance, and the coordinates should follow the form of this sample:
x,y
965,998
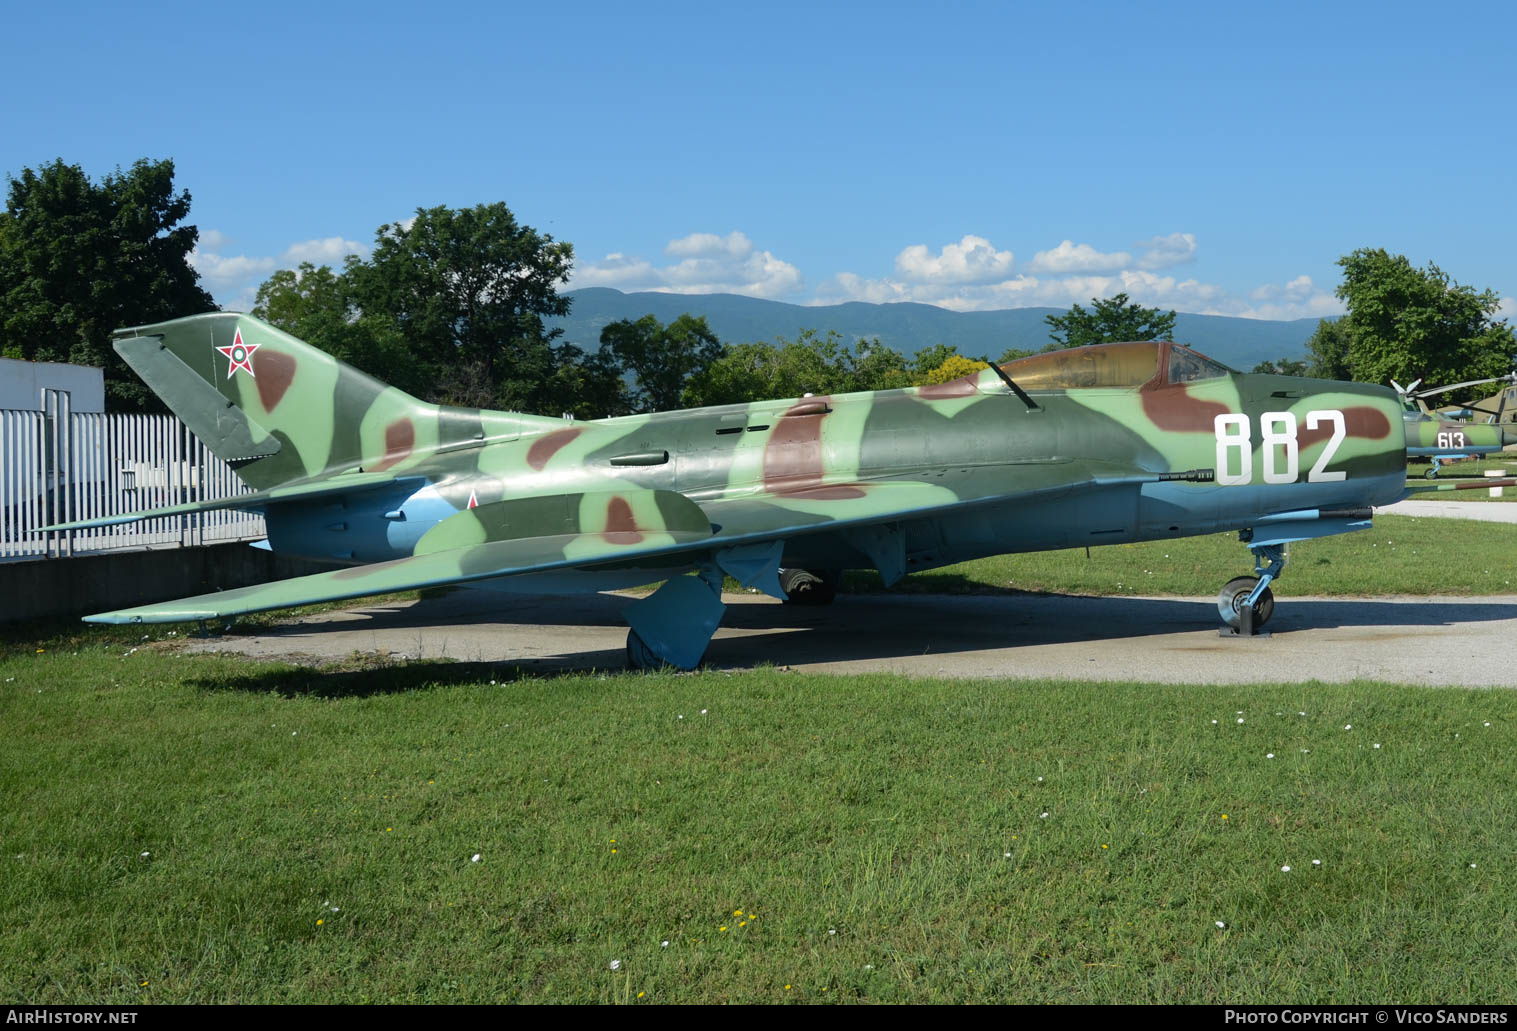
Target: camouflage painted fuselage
x,y
1096,445
808,460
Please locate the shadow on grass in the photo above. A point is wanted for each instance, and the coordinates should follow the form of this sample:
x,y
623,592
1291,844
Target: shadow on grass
x,y
344,681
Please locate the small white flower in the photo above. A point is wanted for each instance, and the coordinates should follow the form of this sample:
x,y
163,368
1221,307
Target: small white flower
x,y
868,966
703,712
1285,869
1300,714
834,930
1240,719
146,854
1487,724
1221,925
1316,862
1377,744
1040,780
616,964
1271,755
294,732
1044,816
1214,723
1472,866
681,715
664,944
1008,855
1348,726
336,910
474,858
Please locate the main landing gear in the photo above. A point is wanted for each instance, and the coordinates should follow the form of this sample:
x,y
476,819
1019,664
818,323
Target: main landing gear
x,y
810,586
1246,603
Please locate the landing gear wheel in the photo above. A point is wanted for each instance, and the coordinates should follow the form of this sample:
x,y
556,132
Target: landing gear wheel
x,y
640,656
1235,592
808,587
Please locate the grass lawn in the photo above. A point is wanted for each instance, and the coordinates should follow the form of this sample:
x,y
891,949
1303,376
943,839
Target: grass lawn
x,y
1399,555
205,829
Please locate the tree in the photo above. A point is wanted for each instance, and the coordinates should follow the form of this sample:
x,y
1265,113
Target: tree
x,y
317,305
592,386
1406,323
955,366
1327,351
1282,367
790,368
79,259
468,290
662,358
1113,320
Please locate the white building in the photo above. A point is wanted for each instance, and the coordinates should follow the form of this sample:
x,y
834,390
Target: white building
x,y
22,384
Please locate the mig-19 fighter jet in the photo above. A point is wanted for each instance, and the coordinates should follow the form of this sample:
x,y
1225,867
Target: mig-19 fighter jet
x,y
1094,445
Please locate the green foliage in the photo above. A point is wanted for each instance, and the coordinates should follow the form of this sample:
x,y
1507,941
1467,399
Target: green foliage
x,y
955,366
469,289
79,259
451,309
317,305
663,358
1282,367
1113,320
1011,354
1406,323
790,368
1327,351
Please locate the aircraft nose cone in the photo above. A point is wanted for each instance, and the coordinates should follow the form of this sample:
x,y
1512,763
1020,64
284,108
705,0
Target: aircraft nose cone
x,y
1508,435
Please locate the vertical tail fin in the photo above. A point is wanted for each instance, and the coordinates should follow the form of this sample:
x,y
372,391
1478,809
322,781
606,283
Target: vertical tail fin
x,y
278,409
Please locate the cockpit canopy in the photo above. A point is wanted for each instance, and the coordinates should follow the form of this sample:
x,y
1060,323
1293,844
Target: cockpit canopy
x,y
1153,363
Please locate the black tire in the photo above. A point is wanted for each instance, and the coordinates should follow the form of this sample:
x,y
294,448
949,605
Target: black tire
x,y
640,656
809,587
1233,594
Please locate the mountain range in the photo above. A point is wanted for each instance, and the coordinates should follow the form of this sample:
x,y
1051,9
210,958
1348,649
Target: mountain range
x,y
908,327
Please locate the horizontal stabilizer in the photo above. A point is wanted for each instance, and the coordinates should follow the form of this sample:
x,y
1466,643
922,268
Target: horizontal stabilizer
x,y
256,501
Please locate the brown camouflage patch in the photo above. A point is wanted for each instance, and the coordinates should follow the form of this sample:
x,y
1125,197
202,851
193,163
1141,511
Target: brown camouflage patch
x,y
400,439
1173,409
274,372
621,527
545,447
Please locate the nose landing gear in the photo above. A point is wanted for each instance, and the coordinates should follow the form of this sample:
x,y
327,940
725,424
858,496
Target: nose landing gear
x,y
1246,603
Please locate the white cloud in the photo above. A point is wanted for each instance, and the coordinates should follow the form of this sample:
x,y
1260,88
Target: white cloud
x,y
221,273
1072,257
734,245
710,264
234,280
329,250
1165,251
1066,283
1507,309
971,260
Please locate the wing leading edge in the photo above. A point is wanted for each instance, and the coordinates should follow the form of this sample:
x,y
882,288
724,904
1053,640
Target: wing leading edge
x,y
661,530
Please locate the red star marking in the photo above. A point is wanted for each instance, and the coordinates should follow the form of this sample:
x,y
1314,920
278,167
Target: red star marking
x,y
239,355
473,501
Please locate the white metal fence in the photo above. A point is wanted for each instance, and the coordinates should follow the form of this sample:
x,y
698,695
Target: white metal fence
x,y
58,467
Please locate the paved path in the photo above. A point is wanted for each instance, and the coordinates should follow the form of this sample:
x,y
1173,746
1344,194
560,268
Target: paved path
x,y
1172,640
1484,511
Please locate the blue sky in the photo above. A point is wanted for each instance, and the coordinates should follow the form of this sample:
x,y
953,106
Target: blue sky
x,y
1206,157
